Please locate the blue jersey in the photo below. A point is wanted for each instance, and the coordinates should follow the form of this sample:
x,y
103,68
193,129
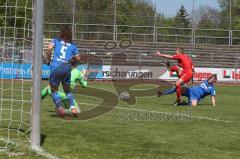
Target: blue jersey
x,y
202,90
63,52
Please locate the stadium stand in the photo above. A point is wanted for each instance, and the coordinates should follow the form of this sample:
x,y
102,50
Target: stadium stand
x,y
143,53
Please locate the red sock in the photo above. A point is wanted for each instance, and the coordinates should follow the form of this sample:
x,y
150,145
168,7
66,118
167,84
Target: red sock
x,y
178,90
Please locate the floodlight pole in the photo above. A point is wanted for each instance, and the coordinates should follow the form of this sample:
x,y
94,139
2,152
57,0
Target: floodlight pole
x,y
155,23
230,14
230,23
193,23
73,19
115,21
37,73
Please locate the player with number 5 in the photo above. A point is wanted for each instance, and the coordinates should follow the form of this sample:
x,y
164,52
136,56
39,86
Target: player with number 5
x,y
60,68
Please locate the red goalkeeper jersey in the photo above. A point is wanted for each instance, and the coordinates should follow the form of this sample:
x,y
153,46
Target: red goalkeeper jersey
x,y
184,61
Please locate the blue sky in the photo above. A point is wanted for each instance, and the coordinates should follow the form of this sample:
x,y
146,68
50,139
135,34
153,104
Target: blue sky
x,y
169,7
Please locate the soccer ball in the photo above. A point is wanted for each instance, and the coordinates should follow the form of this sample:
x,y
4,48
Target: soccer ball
x,y
124,95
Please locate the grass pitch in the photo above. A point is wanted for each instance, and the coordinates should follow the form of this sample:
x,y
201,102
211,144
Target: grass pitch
x,y
151,128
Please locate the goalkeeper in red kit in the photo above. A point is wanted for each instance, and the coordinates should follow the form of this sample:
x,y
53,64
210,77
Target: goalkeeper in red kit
x,y
186,74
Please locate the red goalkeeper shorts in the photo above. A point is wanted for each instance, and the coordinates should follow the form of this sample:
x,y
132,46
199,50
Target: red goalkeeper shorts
x,y
186,76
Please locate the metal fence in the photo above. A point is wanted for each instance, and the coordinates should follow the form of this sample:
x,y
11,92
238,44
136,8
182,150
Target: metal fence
x,y
90,23
153,34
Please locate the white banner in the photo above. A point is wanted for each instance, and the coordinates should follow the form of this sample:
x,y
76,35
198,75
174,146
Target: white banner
x,y
147,72
132,72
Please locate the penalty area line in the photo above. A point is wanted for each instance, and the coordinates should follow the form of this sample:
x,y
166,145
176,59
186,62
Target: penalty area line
x,y
43,153
185,115
38,150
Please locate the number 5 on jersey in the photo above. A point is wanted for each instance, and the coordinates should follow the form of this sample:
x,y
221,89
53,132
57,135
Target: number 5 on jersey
x,y
63,52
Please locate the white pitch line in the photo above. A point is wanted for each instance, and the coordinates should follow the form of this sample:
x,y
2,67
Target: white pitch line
x,y
185,115
196,117
140,89
44,153
37,150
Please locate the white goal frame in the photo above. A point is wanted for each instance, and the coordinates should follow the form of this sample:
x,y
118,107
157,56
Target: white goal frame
x,y
37,73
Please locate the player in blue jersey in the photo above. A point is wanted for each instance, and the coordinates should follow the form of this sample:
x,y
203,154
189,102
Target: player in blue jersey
x,y
196,93
65,52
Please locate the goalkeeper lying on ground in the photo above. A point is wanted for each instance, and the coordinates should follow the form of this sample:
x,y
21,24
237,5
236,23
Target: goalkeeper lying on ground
x,y
196,93
76,76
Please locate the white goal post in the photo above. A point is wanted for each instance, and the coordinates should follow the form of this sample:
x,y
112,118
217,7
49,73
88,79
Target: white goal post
x,y
37,72
21,47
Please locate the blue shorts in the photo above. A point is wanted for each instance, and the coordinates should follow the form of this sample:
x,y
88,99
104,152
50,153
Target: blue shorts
x,y
191,94
60,74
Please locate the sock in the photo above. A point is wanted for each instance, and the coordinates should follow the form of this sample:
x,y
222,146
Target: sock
x,y
44,92
178,90
70,99
62,95
56,99
169,91
75,103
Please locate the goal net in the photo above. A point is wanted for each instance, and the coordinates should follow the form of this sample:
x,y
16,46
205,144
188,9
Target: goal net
x,y
15,72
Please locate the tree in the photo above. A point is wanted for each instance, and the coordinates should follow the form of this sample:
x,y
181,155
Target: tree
x,y
164,21
181,19
207,17
225,13
135,12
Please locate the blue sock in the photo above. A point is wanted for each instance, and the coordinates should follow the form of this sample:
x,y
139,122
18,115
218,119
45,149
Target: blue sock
x,y
56,99
169,91
70,99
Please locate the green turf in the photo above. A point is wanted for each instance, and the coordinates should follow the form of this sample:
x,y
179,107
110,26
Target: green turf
x,y
127,133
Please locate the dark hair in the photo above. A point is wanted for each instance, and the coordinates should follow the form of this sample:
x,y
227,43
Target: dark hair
x,y
180,49
213,76
66,34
